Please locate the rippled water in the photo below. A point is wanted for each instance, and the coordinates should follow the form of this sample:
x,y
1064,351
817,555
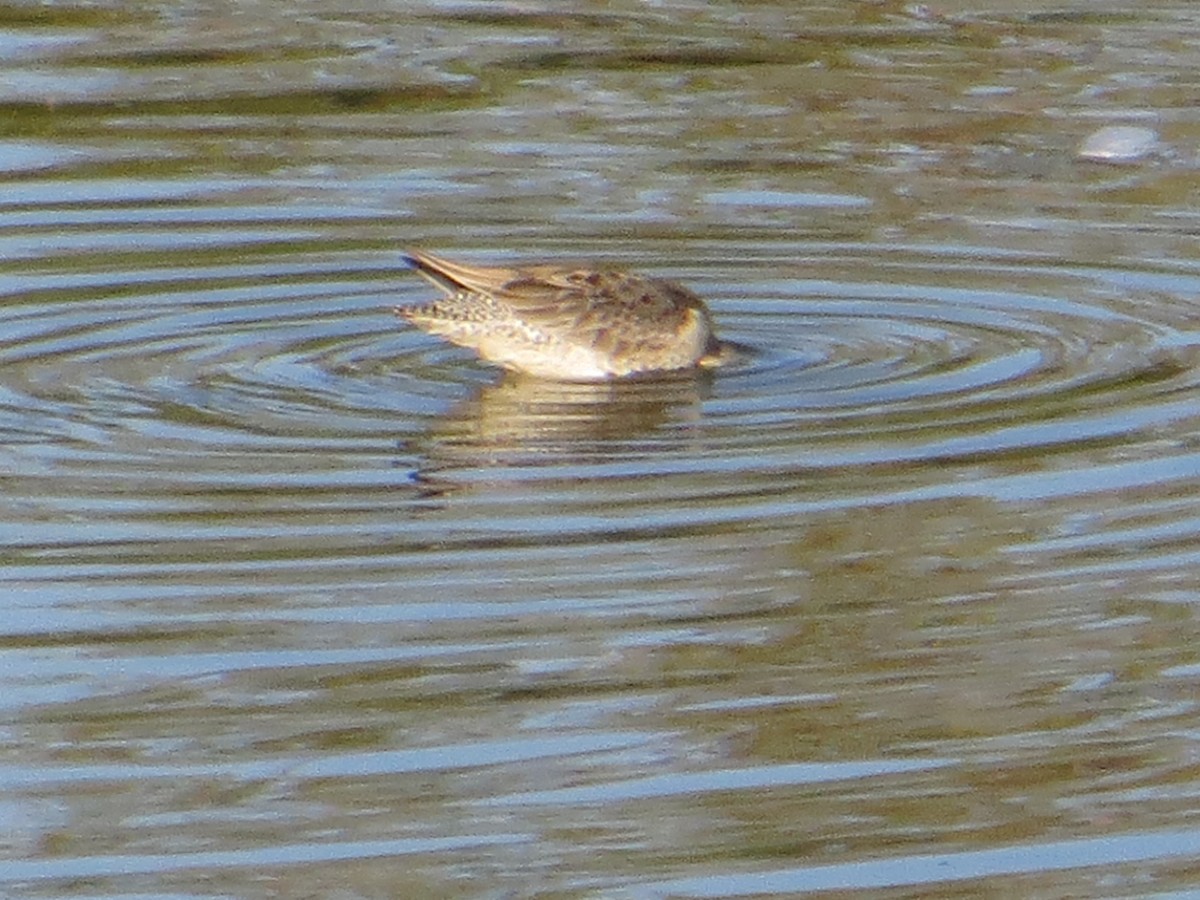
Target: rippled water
x,y
300,602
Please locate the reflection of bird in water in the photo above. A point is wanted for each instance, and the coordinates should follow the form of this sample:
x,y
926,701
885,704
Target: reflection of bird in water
x,y
518,423
564,323
522,416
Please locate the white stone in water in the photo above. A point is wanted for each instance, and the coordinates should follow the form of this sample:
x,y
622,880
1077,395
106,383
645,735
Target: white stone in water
x,y
1119,144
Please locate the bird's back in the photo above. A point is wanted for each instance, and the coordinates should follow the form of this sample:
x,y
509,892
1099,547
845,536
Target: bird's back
x,y
565,323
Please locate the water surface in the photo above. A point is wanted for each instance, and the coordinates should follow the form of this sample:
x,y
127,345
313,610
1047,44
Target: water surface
x,y
300,602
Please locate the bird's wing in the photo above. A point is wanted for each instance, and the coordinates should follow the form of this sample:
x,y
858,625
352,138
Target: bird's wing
x,y
584,306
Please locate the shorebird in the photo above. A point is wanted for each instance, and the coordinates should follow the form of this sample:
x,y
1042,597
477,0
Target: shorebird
x,y
567,324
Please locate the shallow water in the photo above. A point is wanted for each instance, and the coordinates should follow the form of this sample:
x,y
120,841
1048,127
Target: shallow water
x,y
299,602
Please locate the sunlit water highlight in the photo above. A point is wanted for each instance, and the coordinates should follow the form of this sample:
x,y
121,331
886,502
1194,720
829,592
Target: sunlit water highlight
x,y
300,602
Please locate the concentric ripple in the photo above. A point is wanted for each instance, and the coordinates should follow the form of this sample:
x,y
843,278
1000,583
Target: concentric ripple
x,y
302,602
252,376
894,363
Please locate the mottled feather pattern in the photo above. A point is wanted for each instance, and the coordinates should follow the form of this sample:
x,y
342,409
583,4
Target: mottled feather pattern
x,y
566,323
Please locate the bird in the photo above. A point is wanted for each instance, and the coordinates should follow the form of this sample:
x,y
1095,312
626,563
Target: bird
x,y
566,323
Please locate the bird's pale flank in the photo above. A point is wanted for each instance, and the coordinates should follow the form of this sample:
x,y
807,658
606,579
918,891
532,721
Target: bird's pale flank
x,y
570,324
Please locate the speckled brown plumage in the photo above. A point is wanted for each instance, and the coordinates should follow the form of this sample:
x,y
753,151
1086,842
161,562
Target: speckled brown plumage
x,y
566,323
